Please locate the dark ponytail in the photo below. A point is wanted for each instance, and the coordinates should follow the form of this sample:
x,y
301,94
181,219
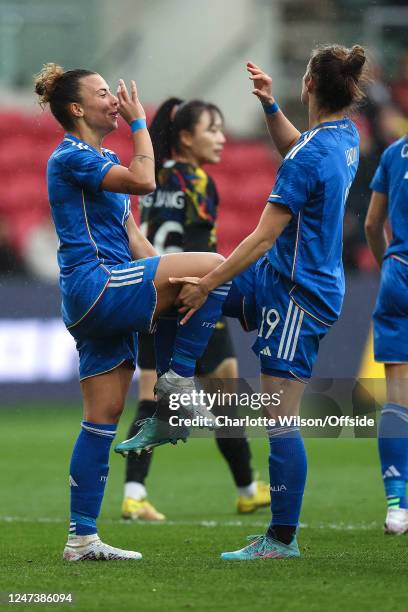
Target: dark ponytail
x,y
171,118
161,131
338,73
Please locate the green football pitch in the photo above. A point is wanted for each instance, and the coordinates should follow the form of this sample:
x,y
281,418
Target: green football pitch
x,y
346,562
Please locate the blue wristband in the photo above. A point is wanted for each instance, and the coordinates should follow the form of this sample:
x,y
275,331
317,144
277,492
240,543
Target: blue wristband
x,y
138,124
271,109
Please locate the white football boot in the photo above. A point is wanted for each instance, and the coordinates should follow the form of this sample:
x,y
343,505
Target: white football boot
x,y
90,548
172,383
396,522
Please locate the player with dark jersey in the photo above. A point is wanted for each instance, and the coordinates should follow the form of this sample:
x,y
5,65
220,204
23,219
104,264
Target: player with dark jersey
x,y
181,216
389,200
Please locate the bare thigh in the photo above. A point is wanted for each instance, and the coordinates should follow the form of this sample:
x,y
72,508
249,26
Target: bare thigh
x,y
290,392
104,395
396,375
179,265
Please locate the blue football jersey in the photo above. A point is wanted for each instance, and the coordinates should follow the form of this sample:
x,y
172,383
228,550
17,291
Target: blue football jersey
x,y
90,223
391,178
313,181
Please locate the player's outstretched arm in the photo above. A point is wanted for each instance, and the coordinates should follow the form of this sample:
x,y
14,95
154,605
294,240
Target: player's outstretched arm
x,y
374,225
282,131
139,178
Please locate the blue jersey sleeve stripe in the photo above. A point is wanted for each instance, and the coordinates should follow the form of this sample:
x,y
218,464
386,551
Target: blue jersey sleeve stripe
x,y
308,138
282,203
299,145
108,163
400,259
104,170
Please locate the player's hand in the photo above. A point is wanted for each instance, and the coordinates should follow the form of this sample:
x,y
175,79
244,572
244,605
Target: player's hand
x,y
262,84
191,297
130,107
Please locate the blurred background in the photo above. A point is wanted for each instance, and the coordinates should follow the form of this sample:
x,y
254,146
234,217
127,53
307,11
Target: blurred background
x,y
187,48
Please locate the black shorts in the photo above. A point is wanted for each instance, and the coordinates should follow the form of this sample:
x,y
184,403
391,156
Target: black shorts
x,y
219,348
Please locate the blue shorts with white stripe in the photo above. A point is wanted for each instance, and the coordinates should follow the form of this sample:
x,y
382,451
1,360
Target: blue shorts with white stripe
x,y
288,336
107,335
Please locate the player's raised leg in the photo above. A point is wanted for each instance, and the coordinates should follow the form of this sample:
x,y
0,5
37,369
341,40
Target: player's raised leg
x,y
179,346
191,339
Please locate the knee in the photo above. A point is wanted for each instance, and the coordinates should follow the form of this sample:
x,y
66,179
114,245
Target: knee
x,y
115,411
227,369
114,408
219,258
215,259
107,412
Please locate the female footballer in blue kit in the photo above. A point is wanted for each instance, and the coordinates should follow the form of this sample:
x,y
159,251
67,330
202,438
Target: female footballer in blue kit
x,y
289,270
390,200
112,282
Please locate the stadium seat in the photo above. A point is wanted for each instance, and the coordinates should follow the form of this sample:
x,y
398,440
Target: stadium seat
x,y
243,179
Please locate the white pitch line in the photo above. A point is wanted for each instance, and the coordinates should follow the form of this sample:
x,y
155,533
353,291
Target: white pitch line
x,y
235,523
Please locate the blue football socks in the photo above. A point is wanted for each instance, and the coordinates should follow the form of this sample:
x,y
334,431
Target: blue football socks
x,y
393,450
287,475
88,475
179,346
192,338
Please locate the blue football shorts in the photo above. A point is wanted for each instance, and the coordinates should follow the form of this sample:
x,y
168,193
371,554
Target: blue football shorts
x,y
288,337
391,313
107,336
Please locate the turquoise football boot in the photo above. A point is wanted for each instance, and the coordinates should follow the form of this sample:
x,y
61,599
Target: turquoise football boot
x,y
263,547
153,432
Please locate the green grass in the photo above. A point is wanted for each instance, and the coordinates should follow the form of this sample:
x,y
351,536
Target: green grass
x,y
346,561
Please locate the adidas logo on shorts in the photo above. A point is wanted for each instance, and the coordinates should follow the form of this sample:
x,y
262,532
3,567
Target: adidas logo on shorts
x,y
266,351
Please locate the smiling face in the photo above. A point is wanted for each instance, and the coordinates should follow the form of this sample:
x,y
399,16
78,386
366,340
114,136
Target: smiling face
x,y
206,142
98,108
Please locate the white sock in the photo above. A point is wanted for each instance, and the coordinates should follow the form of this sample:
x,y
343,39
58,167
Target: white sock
x,y
135,490
248,491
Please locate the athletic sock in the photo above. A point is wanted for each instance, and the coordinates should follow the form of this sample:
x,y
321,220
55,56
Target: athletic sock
x,y
135,490
137,466
248,491
88,475
164,339
393,450
282,533
192,338
287,475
